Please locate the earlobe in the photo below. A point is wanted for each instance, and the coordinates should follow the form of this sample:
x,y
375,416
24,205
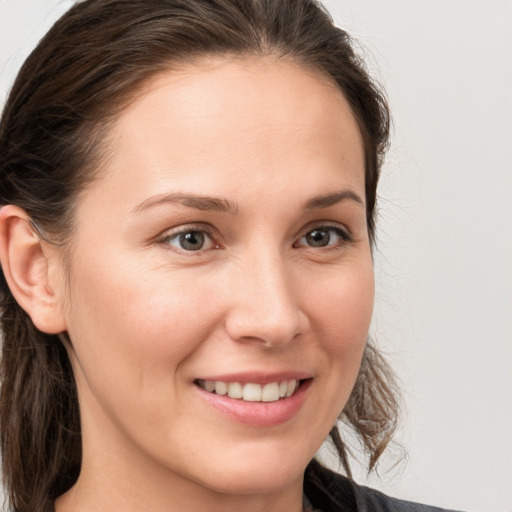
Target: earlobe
x,y
26,261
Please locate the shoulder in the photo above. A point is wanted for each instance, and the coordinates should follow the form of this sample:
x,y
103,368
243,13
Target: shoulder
x,y
330,492
375,501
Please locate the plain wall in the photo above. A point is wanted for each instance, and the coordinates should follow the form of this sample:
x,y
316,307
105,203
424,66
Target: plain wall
x,y
444,257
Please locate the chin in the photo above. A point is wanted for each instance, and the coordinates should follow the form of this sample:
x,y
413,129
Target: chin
x,y
255,480
245,471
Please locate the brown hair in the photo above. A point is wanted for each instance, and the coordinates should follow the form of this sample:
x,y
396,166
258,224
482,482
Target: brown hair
x,y
83,72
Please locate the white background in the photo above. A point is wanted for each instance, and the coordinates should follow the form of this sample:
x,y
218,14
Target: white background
x,y
444,258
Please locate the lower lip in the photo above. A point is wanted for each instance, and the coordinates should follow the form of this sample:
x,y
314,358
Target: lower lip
x,y
258,414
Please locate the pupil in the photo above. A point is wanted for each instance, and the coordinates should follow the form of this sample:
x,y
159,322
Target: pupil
x,y
192,241
318,238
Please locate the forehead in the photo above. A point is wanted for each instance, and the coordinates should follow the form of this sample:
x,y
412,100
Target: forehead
x,y
265,119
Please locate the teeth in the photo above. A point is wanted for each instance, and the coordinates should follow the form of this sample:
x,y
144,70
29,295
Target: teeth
x,y
291,387
252,392
221,388
270,392
235,390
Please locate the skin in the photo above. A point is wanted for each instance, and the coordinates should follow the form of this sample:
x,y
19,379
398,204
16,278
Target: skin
x,y
147,317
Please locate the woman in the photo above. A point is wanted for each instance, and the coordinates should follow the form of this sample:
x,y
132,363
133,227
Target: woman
x,y
188,193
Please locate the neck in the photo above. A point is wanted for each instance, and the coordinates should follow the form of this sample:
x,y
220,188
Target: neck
x,y
93,493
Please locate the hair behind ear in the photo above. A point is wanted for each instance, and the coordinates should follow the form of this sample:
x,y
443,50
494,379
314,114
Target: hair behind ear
x,y
372,410
39,417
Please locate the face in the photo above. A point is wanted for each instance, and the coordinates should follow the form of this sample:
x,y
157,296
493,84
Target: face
x,y
224,249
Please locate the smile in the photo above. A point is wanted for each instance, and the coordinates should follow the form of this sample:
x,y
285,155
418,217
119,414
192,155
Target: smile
x,y
252,392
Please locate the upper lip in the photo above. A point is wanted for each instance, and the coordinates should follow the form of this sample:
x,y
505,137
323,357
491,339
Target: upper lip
x,y
258,377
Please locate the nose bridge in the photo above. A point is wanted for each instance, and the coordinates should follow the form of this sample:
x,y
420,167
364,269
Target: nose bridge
x,y
266,305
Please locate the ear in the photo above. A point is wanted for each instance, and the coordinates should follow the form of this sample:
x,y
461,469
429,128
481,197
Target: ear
x,y
29,265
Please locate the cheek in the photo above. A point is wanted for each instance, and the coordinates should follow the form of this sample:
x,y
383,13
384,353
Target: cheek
x,y
146,325
344,307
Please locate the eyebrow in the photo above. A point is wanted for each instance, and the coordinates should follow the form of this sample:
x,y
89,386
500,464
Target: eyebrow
x,y
204,203
214,204
317,203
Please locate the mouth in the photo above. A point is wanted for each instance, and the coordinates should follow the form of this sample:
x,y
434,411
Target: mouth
x,y
251,391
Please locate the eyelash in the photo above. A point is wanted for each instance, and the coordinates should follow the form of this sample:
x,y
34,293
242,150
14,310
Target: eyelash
x,y
166,238
344,236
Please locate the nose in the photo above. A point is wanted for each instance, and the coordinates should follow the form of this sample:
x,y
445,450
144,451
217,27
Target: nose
x,y
264,307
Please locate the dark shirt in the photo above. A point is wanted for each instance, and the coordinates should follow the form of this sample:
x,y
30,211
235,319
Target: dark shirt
x,y
327,491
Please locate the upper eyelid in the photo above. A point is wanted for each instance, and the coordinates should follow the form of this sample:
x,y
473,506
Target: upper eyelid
x,y
326,225
185,228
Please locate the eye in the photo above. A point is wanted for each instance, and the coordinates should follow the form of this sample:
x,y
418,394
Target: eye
x,y
324,236
190,240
